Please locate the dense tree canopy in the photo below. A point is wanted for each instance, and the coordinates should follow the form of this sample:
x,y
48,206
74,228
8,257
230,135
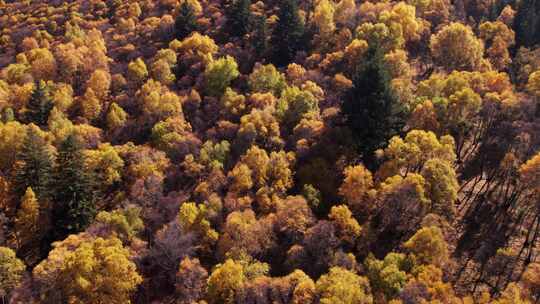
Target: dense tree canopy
x,y
283,152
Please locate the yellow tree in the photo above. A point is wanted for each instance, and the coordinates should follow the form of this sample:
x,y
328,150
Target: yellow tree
x,y
11,142
441,186
294,104
193,218
498,38
90,105
43,64
117,117
219,74
341,286
233,104
323,19
164,61
411,153
430,279
162,72
345,12
257,160
531,280
240,179
197,46
434,11
260,127
512,294
122,223
6,203
137,70
455,47
242,232
266,78
424,117
533,85
100,83
81,269
529,174
356,186
389,275
428,246
346,225
226,280
106,163
11,272
280,175
403,16
157,102
388,38
173,135
62,97
507,15
134,10
27,220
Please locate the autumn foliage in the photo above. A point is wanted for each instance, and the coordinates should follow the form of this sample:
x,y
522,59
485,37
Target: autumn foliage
x,y
280,152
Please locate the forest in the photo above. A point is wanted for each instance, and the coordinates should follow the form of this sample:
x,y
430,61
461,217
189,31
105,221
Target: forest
x,y
270,151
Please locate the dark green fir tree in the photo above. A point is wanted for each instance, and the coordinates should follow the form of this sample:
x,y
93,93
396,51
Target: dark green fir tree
x,y
287,37
34,165
527,23
259,39
373,112
39,106
238,18
75,194
186,21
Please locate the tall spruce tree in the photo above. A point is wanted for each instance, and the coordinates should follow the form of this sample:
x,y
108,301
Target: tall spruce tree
x,y
238,18
373,112
287,37
39,106
259,39
186,21
34,166
75,194
527,23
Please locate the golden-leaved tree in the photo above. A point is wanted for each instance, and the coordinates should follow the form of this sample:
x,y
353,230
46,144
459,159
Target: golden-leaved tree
x,y
82,269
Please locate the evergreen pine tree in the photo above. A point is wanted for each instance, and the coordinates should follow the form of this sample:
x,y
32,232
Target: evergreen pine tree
x,y
33,167
39,106
74,195
185,22
373,112
287,37
527,23
260,34
238,18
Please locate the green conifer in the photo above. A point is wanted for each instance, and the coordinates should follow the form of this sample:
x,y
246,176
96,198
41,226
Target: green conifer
x,y
287,37
238,18
373,112
527,23
75,194
186,21
34,165
260,35
39,106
